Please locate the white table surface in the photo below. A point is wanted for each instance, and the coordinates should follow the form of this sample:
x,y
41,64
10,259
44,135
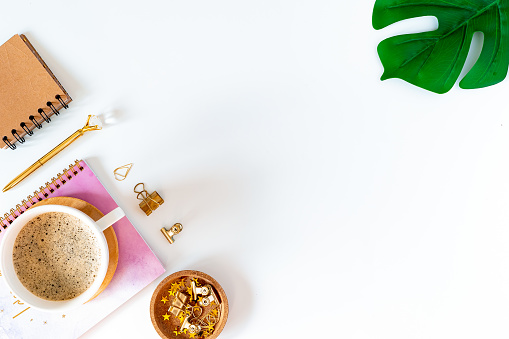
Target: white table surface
x,y
326,202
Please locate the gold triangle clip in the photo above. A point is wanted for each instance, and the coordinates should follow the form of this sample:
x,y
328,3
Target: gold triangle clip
x,y
122,172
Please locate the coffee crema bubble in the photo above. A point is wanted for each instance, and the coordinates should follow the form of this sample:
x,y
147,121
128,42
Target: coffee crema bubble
x,y
56,256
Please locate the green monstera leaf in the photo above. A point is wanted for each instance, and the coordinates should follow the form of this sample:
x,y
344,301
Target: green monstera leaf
x,y
434,60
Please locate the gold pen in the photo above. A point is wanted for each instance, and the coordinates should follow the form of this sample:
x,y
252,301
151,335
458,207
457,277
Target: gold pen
x,y
54,152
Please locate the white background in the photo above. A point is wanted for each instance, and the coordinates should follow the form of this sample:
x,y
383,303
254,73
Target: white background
x,y
327,203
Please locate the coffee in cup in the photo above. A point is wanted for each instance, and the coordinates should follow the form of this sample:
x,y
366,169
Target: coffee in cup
x,y
11,278
56,256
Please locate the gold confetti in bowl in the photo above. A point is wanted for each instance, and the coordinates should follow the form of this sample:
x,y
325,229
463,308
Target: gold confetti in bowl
x,y
189,304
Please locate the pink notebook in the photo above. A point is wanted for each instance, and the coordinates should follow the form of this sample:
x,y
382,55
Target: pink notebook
x,y
137,266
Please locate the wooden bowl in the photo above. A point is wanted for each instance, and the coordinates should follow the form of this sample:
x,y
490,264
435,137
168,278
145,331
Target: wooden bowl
x,y
168,325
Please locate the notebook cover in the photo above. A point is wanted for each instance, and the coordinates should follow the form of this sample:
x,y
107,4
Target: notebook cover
x,y
26,84
137,267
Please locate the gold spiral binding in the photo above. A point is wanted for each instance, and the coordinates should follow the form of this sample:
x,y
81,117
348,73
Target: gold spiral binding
x,y
61,178
41,194
55,183
48,186
13,214
37,196
67,174
24,203
6,218
71,166
31,201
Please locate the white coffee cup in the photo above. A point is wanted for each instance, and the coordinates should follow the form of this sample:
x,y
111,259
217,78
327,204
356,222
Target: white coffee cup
x,y
7,265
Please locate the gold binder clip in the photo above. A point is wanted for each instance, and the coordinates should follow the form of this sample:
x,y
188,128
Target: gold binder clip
x,y
175,229
191,328
175,311
150,202
207,293
178,304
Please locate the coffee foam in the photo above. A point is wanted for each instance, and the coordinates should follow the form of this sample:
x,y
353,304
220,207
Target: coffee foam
x,y
56,256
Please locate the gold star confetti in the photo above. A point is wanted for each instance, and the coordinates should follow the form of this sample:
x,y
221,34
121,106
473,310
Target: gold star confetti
x,y
166,316
190,291
176,331
214,312
191,335
164,300
182,282
196,282
172,293
210,327
181,317
200,299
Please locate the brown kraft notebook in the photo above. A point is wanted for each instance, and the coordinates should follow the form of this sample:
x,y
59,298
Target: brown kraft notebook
x,y
29,92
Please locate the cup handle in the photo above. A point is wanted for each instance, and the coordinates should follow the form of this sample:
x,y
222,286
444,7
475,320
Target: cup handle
x,y
110,218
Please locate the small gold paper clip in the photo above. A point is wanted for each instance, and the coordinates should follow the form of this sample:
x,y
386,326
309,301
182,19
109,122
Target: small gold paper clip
x,y
121,172
150,202
175,229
